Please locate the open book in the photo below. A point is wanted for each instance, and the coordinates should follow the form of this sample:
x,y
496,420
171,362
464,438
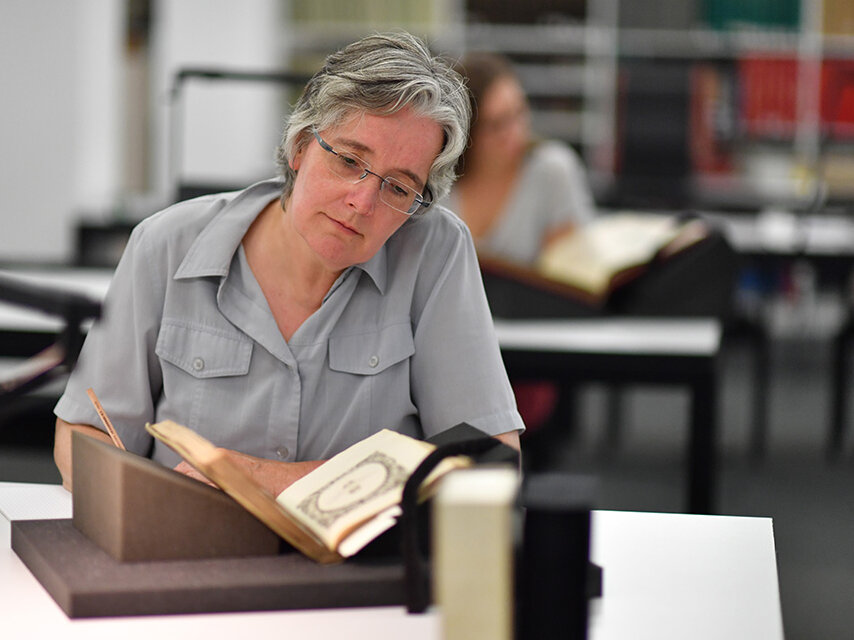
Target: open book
x,y
614,249
332,512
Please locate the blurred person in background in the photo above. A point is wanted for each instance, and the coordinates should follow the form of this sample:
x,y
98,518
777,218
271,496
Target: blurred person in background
x,y
515,192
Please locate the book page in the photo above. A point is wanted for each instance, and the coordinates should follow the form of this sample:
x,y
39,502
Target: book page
x,y
354,485
593,255
366,533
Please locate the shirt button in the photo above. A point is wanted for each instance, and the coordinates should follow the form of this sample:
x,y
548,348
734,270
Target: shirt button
x,y
198,364
373,361
282,452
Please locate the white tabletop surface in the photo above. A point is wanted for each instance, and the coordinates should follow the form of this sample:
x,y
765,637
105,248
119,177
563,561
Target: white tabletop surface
x,y
665,576
784,232
649,336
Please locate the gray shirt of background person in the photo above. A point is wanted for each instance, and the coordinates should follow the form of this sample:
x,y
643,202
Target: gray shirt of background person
x,y
404,341
552,191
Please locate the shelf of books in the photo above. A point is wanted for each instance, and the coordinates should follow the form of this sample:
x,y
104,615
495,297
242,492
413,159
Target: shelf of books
x,y
768,86
756,91
751,91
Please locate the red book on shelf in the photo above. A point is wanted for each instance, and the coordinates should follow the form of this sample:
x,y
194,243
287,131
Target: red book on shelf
x,y
837,97
769,95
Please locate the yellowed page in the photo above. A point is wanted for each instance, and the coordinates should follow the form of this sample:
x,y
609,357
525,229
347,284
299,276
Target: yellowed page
x,y
354,485
593,255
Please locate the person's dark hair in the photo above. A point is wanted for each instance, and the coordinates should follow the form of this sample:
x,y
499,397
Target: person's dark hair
x,y
480,70
381,74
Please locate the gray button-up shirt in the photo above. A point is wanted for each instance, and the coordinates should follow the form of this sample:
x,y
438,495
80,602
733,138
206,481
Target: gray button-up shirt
x,y
404,341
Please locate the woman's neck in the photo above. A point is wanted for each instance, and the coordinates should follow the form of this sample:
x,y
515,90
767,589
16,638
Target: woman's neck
x,y
282,263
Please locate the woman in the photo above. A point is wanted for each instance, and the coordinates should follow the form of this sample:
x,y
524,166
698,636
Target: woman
x,y
515,193
299,316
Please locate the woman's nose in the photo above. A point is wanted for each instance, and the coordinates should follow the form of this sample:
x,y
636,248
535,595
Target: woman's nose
x,y
364,194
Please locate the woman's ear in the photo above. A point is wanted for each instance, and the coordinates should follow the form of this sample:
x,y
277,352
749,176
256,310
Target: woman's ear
x,y
296,161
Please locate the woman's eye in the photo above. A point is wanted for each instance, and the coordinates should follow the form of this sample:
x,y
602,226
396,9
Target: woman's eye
x,y
349,162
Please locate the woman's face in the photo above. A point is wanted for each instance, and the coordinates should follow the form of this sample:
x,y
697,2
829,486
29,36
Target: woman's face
x,y
343,223
502,128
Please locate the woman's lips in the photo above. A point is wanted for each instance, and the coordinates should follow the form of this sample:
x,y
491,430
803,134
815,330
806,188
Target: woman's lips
x,y
343,225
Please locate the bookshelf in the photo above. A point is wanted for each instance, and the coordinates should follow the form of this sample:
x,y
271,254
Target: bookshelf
x,y
649,90
762,90
317,27
755,98
770,90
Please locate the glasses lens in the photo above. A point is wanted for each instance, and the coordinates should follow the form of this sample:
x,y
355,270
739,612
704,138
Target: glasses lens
x,y
398,195
346,166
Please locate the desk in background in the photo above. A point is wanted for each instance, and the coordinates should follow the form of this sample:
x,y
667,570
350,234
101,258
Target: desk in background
x,y
24,332
826,242
681,352
666,576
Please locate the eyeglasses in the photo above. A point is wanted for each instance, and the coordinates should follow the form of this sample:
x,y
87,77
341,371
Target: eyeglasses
x,y
353,169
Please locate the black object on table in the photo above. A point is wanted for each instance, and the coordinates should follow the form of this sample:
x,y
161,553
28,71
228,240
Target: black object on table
x,y
56,358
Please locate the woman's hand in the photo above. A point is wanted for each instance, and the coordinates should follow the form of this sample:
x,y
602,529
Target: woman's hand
x,y
275,476
189,470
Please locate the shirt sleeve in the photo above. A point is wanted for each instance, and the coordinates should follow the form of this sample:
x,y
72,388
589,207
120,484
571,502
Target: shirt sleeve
x,y
457,371
117,360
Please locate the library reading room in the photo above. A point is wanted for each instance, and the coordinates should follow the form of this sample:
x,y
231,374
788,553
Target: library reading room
x,y
643,426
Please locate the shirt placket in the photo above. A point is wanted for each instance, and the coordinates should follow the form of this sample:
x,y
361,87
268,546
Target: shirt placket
x,y
275,364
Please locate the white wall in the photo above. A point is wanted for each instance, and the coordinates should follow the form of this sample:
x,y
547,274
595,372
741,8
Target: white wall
x,y
59,116
229,130
62,108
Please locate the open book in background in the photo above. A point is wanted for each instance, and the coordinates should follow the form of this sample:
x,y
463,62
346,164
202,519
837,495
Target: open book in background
x,y
332,512
623,263
615,249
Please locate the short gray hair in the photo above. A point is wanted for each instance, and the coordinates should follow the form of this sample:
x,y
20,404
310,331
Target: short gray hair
x,y
381,74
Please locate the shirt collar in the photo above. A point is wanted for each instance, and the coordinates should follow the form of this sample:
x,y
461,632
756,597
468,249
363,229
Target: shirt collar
x,y
376,268
213,249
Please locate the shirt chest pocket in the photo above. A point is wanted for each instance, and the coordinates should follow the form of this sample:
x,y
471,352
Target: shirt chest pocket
x,y
372,353
204,352
368,386
204,376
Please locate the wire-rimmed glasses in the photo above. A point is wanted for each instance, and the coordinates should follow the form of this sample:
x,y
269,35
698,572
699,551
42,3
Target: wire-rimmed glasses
x,y
350,167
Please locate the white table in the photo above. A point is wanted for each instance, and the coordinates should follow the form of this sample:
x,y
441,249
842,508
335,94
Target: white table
x,y
787,234
687,337
665,576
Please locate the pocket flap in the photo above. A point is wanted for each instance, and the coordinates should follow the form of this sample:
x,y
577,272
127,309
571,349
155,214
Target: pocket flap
x,y
370,353
204,352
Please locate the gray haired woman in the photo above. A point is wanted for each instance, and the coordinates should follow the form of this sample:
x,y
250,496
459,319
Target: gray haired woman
x,y
294,318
